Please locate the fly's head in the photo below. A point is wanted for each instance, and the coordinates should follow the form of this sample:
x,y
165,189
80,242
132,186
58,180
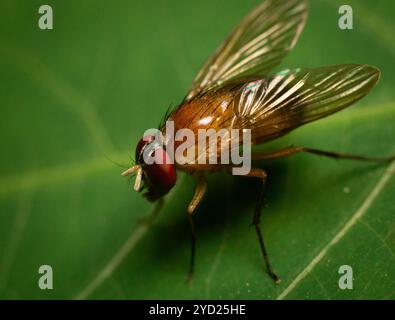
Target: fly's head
x,y
154,169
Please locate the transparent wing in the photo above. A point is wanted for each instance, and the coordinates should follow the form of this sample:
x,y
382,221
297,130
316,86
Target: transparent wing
x,y
272,107
258,43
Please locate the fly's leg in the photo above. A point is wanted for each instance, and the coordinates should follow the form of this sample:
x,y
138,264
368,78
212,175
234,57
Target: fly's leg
x,y
261,175
197,198
294,150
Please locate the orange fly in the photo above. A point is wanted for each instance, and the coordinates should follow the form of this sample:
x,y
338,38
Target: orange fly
x,y
234,90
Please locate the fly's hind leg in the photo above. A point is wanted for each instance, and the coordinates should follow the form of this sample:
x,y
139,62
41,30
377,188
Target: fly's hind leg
x,y
335,155
261,175
197,198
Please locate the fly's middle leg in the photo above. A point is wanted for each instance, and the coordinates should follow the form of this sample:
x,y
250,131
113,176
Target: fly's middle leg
x,y
197,198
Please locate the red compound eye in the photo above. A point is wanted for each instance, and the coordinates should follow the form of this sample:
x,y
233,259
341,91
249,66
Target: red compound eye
x,y
160,176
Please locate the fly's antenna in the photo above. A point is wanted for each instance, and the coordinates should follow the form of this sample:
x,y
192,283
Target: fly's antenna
x,y
129,171
139,175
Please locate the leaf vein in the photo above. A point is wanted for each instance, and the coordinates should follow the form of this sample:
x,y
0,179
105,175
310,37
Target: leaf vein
x,y
343,231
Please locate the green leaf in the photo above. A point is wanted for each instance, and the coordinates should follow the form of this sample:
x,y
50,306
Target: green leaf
x,y
78,97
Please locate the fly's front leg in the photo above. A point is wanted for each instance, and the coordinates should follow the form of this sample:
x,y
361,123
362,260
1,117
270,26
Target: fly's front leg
x,y
261,175
197,198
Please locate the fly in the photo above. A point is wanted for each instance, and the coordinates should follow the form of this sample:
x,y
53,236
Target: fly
x,y
235,90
